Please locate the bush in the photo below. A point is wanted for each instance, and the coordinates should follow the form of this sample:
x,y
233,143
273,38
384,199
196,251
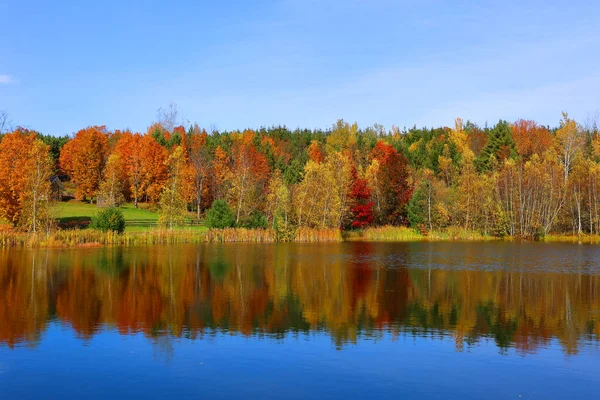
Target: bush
x,y
220,216
109,219
417,207
285,231
256,220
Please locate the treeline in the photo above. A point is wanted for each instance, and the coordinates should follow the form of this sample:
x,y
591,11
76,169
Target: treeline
x,y
517,179
192,291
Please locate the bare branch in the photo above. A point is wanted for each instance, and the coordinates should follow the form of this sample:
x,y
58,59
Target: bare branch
x,y
167,117
5,122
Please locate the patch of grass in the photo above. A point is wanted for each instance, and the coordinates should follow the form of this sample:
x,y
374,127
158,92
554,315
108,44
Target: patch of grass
x,y
571,238
78,215
310,235
96,238
454,233
240,235
406,234
142,228
70,210
385,233
143,235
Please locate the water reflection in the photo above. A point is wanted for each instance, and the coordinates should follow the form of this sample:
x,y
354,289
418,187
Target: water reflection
x,y
347,291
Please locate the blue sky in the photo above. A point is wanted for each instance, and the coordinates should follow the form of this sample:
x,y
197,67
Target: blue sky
x,y
65,65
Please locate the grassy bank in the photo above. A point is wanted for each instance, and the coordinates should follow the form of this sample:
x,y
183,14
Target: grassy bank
x,y
589,239
76,214
78,209
145,236
95,238
405,234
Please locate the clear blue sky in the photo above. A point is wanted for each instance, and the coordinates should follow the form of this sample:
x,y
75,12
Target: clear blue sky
x,y
237,64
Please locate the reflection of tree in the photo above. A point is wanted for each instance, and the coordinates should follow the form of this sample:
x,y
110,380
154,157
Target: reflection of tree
x,y
23,299
345,291
163,348
78,301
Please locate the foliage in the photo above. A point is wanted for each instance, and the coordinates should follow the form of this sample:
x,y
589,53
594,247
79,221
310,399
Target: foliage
x,y
499,147
362,207
518,179
111,191
25,171
417,206
35,199
13,161
388,178
83,158
172,205
220,216
248,177
109,219
255,220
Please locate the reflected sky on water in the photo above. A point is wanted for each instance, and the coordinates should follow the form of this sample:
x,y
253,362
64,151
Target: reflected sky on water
x,y
317,320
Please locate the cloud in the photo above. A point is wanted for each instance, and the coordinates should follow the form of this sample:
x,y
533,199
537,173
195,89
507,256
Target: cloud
x,y
6,79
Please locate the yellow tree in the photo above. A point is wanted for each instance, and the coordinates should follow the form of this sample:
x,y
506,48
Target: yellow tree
x,y
199,158
460,137
172,203
340,167
580,191
221,173
467,189
446,166
250,173
278,199
569,141
111,189
321,199
35,198
342,137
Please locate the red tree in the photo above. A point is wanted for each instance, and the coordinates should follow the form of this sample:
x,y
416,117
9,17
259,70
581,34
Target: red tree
x,y
393,181
362,208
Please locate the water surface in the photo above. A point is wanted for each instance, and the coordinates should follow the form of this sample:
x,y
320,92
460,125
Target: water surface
x,y
353,320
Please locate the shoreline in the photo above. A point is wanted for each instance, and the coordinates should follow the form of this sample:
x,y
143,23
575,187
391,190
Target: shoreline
x,y
88,238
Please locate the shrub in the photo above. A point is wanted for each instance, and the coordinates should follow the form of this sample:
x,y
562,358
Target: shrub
x,y
256,220
285,231
220,216
417,207
109,219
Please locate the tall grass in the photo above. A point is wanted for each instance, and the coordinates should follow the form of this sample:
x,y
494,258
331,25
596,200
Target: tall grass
x,y
95,238
386,233
240,235
588,239
92,238
311,235
404,234
270,236
9,238
455,233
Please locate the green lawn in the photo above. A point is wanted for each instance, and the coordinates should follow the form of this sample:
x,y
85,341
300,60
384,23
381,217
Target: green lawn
x,y
196,229
79,210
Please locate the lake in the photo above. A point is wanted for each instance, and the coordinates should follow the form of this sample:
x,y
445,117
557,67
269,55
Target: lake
x,y
348,320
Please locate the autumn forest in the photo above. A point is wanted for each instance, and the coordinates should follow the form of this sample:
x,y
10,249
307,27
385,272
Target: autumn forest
x,y
515,179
